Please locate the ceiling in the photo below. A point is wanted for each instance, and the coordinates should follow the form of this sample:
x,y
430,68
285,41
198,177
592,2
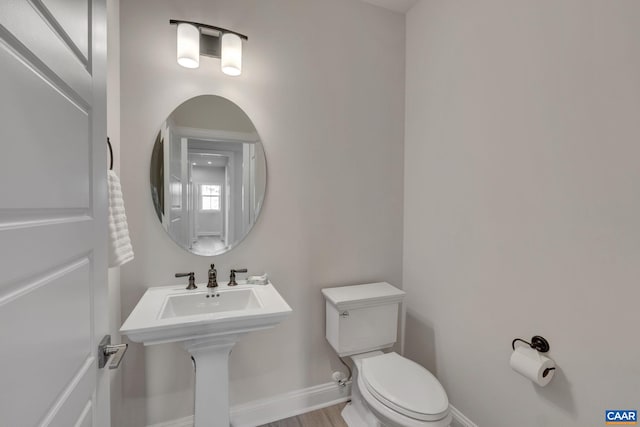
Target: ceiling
x,y
401,6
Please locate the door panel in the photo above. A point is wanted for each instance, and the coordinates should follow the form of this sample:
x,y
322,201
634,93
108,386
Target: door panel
x,y
53,292
25,31
76,402
41,234
85,417
53,352
47,129
71,18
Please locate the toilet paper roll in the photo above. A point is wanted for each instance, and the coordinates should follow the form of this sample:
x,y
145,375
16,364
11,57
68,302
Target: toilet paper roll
x,y
529,363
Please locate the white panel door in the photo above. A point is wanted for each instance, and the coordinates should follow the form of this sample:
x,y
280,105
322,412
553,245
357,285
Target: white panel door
x,y
53,263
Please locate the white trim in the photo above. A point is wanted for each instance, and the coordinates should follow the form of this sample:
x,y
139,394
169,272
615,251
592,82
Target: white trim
x,y
403,326
270,409
264,411
460,420
217,135
209,234
287,405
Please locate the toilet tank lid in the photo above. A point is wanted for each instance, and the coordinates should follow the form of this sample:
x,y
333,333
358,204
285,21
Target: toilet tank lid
x,y
370,294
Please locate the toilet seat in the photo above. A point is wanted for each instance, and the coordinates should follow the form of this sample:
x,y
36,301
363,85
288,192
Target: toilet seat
x,y
404,386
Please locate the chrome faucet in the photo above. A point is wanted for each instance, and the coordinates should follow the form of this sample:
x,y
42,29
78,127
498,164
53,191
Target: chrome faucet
x,y
232,278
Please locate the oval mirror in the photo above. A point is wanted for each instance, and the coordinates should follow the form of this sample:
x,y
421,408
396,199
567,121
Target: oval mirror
x,y
208,175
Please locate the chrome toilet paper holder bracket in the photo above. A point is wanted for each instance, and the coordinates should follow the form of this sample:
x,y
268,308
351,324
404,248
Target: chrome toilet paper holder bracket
x,y
537,342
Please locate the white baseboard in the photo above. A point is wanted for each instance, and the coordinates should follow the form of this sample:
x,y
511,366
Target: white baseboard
x,y
264,411
459,419
287,405
182,422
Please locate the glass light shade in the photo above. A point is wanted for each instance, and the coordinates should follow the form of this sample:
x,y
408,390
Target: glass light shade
x,y
188,45
231,54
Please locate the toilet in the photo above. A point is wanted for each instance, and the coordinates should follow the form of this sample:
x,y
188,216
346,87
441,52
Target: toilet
x,y
387,389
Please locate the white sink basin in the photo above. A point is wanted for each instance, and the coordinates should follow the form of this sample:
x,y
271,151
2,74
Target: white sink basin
x,y
190,304
171,313
207,322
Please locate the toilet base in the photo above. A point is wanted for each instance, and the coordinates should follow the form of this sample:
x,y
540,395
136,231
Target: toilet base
x,y
353,418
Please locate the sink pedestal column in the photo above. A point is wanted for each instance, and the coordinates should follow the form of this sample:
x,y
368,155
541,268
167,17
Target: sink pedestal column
x,y
212,380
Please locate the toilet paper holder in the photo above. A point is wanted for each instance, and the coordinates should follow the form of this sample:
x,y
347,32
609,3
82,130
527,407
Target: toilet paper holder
x,y
537,342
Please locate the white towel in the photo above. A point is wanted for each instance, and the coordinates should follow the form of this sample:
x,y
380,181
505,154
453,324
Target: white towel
x,y
120,249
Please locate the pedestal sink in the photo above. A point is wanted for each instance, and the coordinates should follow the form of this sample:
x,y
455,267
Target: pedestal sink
x,y
208,322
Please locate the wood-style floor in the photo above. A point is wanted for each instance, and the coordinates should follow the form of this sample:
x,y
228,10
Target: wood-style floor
x,y
327,417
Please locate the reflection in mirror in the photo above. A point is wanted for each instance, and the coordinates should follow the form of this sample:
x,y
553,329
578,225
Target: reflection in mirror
x,y
208,175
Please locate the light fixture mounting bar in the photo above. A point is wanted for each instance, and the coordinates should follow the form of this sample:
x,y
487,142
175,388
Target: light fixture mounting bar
x,y
210,45
210,27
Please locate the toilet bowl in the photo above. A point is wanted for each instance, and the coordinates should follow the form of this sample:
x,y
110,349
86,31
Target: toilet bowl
x,y
387,389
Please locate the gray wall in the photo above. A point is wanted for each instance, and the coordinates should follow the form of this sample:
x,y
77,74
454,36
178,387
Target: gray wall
x,y
522,203
212,113
323,82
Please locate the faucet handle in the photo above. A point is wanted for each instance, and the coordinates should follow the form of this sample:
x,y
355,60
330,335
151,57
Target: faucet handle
x,y
192,279
232,278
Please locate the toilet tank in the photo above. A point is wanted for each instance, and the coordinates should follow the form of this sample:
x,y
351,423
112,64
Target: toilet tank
x,y
362,318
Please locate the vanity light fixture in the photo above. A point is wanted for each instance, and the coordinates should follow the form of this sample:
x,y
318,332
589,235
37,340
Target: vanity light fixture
x,y
188,45
195,39
231,54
